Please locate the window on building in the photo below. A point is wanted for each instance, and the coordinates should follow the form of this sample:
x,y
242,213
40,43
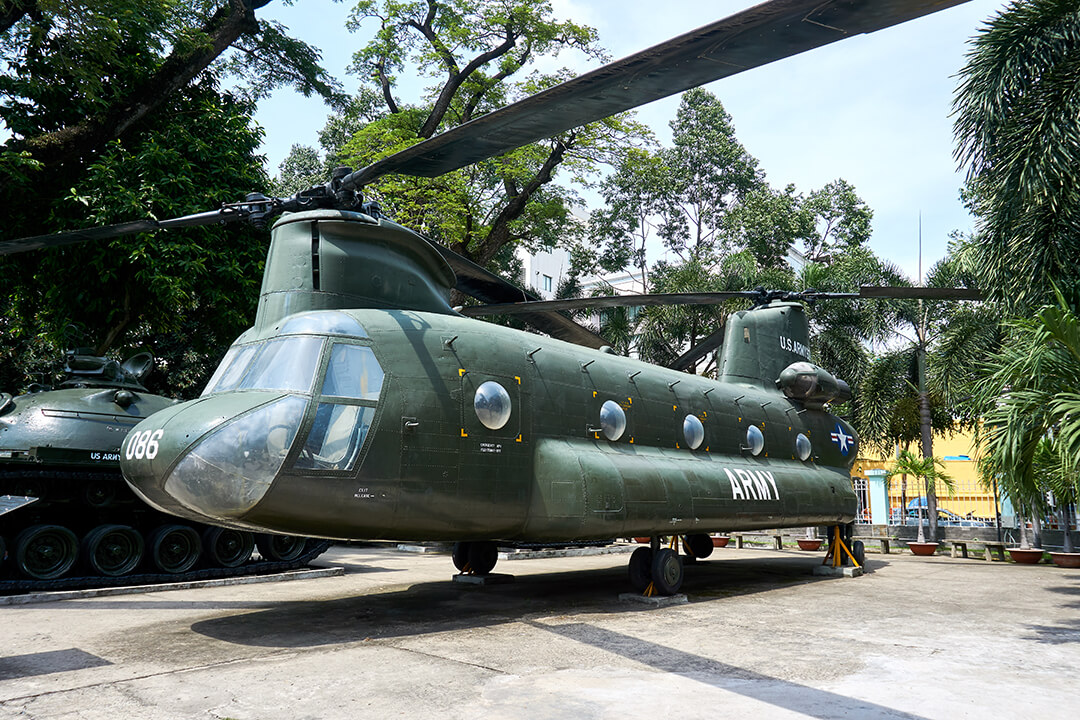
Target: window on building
x,y
547,283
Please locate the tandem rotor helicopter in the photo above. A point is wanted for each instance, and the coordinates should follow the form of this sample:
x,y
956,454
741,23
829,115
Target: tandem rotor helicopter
x,y
361,405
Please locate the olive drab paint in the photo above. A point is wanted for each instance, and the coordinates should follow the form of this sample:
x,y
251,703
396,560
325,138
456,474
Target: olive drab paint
x,y
393,441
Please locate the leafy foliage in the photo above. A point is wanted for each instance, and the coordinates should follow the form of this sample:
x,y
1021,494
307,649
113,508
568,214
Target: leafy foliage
x,y
1016,130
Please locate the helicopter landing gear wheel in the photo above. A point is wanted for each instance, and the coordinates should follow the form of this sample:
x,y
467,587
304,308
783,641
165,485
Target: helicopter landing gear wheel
x,y
112,550
698,546
640,568
483,556
280,548
227,548
667,571
460,555
858,550
174,548
45,552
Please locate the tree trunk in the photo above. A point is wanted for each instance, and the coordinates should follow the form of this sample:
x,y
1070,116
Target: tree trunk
x,y
1066,521
1036,528
926,437
1025,544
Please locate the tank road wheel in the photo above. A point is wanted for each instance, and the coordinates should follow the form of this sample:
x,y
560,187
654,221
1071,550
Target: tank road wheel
x,y
460,555
99,494
45,552
227,548
112,550
640,568
483,556
667,571
280,548
174,548
698,546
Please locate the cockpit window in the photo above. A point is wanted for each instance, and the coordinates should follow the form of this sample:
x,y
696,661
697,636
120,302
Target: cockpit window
x,y
353,372
323,322
286,364
336,437
231,369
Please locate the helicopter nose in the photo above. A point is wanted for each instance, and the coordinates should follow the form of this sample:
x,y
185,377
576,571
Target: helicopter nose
x,y
213,458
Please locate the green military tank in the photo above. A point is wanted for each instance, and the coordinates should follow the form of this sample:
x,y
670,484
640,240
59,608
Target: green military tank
x,y
68,519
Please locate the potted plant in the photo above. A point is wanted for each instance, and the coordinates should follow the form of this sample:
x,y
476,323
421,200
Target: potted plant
x,y
720,540
928,470
810,542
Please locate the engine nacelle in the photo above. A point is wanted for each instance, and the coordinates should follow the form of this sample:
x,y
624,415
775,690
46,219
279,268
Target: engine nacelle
x,y
811,385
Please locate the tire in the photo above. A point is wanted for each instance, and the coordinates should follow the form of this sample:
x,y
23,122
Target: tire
x,y
858,550
280,548
667,571
698,546
224,547
112,550
483,556
640,568
174,549
460,555
46,552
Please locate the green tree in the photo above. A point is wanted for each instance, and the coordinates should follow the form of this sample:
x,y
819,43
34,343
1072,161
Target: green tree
x,y
1030,438
1016,131
115,114
478,57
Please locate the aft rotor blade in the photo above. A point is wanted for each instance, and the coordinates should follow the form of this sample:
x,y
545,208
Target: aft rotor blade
x,y
921,293
703,348
754,37
487,287
609,301
9,247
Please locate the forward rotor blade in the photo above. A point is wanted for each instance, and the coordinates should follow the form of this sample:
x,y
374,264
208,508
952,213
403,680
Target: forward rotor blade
x,y
609,301
487,287
703,348
10,247
754,37
920,293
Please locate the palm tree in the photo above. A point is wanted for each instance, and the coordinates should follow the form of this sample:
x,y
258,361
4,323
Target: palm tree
x,y
1016,130
928,470
1031,434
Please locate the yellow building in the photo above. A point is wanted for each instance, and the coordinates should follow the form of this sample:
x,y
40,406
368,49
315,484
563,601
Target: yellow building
x,y
881,499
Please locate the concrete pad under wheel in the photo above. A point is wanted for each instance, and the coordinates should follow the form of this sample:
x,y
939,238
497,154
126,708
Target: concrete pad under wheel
x,y
655,600
842,571
491,579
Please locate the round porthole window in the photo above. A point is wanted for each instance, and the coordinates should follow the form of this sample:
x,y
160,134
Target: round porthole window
x,y
492,405
612,420
802,446
693,431
755,440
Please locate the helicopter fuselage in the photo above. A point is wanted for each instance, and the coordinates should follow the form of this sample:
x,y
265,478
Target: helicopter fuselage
x,y
409,456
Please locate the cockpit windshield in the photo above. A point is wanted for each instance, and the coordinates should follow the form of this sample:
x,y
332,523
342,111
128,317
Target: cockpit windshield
x,y
286,364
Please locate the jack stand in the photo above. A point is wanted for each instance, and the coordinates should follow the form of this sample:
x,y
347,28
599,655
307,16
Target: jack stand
x,y
837,550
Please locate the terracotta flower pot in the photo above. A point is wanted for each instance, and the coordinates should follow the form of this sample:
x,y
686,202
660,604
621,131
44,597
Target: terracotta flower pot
x,y
720,541
809,544
1027,556
643,541
1066,560
923,548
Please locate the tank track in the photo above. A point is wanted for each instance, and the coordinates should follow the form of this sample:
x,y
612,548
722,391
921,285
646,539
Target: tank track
x,y
256,567
62,493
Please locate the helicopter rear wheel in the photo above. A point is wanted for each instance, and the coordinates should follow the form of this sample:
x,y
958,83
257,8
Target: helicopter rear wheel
x,y
46,552
698,546
112,550
227,548
280,548
482,557
460,555
640,568
667,571
858,550
174,548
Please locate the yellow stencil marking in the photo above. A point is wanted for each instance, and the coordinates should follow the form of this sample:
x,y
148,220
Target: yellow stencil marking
x,y
460,372
518,379
463,433
518,439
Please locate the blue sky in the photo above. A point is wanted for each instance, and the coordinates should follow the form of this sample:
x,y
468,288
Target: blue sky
x,y
873,109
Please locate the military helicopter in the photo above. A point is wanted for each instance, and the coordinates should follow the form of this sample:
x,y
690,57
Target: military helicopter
x,y
362,405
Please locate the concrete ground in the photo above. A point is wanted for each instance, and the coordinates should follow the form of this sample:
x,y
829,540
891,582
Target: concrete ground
x,y
393,637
